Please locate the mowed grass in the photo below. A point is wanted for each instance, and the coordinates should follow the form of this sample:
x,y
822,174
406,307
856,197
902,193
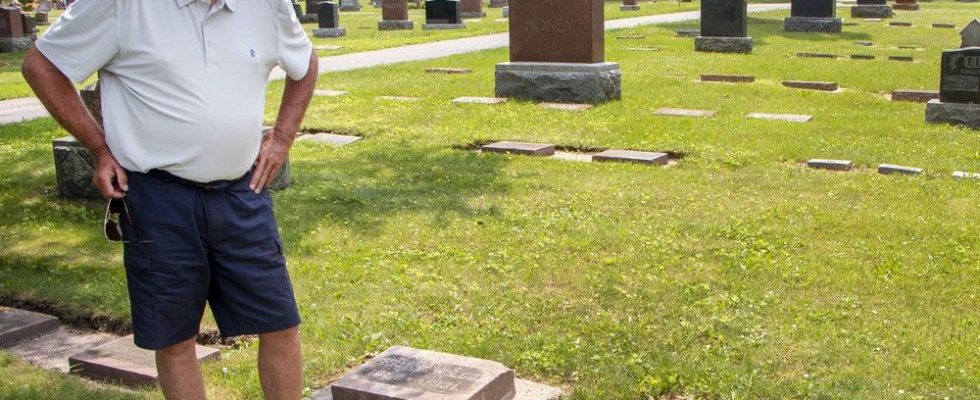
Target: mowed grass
x,y
735,274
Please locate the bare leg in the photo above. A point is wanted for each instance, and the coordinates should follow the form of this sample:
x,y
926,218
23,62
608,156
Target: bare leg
x,y
180,375
281,364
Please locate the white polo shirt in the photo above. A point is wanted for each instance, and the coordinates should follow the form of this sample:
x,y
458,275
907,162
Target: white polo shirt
x,y
183,82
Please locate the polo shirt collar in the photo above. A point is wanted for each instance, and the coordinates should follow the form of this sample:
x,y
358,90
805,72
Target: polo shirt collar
x,y
230,4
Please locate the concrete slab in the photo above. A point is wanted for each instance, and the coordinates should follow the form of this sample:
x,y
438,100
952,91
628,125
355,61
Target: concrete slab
x,y
683,112
329,138
966,175
641,157
524,148
121,361
19,325
781,117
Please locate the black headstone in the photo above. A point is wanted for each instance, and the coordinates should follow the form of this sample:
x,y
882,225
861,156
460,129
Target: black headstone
x,y
442,12
872,2
328,14
311,7
297,9
29,24
814,8
960,82
724,18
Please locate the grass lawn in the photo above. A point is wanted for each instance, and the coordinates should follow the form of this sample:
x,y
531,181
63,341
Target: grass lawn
x,y
735,274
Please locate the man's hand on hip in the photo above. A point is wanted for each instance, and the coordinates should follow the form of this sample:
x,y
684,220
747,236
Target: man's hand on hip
x,y
110,178
272,155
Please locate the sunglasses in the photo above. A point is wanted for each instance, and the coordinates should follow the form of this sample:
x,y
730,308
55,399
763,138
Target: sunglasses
x,y
110,226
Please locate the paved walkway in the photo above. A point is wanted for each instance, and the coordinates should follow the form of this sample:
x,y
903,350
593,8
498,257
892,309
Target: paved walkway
x,y
18,110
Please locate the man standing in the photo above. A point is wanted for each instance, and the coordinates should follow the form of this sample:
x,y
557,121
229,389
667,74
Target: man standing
x,y
183,159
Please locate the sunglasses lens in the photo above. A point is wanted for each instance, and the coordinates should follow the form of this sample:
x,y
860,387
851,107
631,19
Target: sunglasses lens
x,y
116,206
112,231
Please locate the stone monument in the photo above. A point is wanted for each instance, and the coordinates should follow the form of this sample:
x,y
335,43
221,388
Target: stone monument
x,y
629,5
872,9
350,5
311,14
471,9
41,18
959,85
442,14
907,5
329,18
724,27
813,16
394,15
303,18
557,54
29,25
13,37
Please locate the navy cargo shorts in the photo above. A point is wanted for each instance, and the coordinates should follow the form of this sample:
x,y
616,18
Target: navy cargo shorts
x,y
191,244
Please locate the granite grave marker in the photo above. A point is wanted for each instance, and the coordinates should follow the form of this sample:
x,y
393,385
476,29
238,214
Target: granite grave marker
x,y
813,16
442,14
471,9
394,16
629,5
122,361
350,5
872,9
328,16
12,34
959,86
19,325
724,27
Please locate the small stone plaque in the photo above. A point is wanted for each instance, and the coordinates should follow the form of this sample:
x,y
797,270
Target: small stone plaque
x,y
782,117
727,78
479,100
404,373
565,106
862,57
683,112
642,49
626,37
899,23
866,43
641,157
872,20
901,58
404,99
966,175
19,325
439,70
329,138
889,169
815,55
530,149
329,93
833,165
122,361
825,86
943,26
907,47
919,96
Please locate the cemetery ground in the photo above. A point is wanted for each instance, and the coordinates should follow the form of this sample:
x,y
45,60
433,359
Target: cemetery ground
x,y
736,273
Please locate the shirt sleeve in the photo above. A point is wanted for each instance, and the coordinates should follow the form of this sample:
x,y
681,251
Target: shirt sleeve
x,y
294,47
83,40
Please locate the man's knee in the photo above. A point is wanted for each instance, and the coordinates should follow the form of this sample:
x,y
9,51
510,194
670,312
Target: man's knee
x,y
178,350
285,335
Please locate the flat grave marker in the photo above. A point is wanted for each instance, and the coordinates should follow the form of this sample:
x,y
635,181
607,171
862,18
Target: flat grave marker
x,y
523,148
441,70
329,138
19,325
900,23
727,78
683,112
938,25
329,93
862,57
642,49
565,106
688,32
479,100
815,55
832,165
122,361
966,175
919,96
781,117
809,85
890,169
628,37
405,99
866,43
901,58
631,156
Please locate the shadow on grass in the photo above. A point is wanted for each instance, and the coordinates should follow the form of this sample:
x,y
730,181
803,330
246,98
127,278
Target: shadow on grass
x,y
761,28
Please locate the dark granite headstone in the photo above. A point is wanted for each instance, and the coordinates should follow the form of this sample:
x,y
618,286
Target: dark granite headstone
x,y
814,8
403,373
311,6
18,325
442,12
960,79
11,24
560,31
328,14
724,18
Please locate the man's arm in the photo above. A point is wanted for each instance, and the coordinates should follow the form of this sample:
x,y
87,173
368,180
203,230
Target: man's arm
x,y
275,145
63,102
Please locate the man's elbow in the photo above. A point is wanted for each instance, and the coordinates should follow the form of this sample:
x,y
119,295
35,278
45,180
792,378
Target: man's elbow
x,y
29,68
314,68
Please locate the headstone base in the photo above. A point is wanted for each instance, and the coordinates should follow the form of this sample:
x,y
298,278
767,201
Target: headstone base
x,y
906,7
74,166
963,114
625,7
308,19
559,82
350,8
478,14
431,27
801,24
329,32
717,44
872,11
10,45
396,25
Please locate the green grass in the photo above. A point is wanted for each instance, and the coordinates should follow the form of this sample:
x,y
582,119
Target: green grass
x,y
735,274
20,381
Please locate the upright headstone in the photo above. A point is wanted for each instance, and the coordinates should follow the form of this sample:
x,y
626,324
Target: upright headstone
x,y
394,15
813,16
12,35
557,54
959,86
724,27
442,14
41,18
505,11
60,5
329,19
907,5
350,5
872,9
311,7
471,9
29,25
498,3
629,5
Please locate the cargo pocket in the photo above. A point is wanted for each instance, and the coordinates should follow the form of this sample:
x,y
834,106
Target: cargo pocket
x,y
138,256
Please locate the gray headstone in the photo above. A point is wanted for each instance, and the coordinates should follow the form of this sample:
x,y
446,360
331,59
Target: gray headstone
x,y
123,362
19,325
530,149
960,76
971,34
404,373
724,18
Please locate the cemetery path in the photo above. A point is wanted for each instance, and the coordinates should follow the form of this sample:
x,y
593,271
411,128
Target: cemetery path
x,y
19,110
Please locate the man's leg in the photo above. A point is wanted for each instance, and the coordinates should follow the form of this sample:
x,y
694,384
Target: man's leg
x,y
180,375
281,364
